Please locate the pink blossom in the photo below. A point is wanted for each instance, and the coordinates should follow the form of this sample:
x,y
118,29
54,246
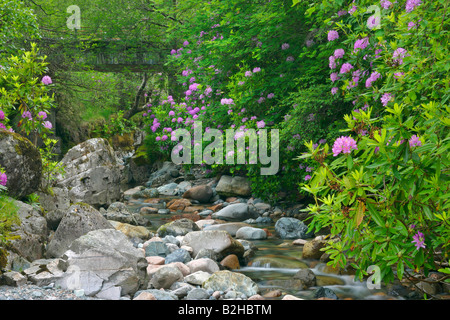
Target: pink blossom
x,y
285,46
415,141
346,67
385,4
386,98
339,53
344,145
46,80
334,76
2,115
333,35
334,90
260,124
47,124
3,179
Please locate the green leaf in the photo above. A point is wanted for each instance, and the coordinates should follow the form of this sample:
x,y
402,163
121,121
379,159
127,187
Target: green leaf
x,y
400,269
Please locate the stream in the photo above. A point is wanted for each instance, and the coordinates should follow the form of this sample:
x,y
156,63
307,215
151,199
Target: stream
x,y
276,262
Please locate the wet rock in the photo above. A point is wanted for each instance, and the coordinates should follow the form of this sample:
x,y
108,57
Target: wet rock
x,y
131,231
158,294
163,175
197,278
306,277
325,293
236,212
118,211
230,262
230,227
198,294
170,189
291,228
178,227
250,233
201,193
203,264
156,248
312,249
233,186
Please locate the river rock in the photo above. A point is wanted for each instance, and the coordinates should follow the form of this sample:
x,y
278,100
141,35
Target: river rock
x,y
179,255
230,262
93,174
198,294
168,171
230,227
158,294
105,264
312,249
218,240
235,212
31,233
78,221
291,228
42,272
306,277
250,233
323,292
203,264
118,211
170,189
156,248
131,231
233,186
22,163
165,276
178,227
201,193
197,278
226,280
13,279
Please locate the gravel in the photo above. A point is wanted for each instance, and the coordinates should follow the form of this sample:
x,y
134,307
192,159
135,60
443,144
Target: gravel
x,y
33,292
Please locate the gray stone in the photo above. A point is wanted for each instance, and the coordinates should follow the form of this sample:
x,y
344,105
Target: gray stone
x,y
55,205
197,278
250,233
31,233
165,276
201,193
312,249
230,227
102,262
43,272
307,278
156,248
218,240
233,186
13,279
118,211
198,294
178,227
169,189
158,294
179,255
226,281
236,212
78,221
323,292
22,163
291,228
93,174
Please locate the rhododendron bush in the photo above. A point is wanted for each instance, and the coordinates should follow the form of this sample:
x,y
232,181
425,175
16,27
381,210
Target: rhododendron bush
x,y
382,187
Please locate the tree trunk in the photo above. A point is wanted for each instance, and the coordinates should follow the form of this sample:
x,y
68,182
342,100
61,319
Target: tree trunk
x,y
135,108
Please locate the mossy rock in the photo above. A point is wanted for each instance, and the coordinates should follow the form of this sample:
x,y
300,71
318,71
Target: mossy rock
x,y
123,141
22,163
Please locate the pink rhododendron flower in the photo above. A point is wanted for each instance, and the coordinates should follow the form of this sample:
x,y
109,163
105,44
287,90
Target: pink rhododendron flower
x,y
419,240
414,141
361,44
385,4
47,124
334,76
334,90
346,67
339,53
285,46
2,115
412,4
333,35
385,98
3,179
399,54
46,80
260,124
344,145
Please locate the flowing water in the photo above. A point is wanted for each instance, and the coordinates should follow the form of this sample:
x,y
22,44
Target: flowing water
x,y
276,262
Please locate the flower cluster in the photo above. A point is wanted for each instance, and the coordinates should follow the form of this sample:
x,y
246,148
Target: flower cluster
x,y
344,145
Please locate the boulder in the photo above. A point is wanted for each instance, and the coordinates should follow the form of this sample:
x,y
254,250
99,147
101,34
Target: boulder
x,y
236,212
78,221
291,228
312,249
93,174
104,264
168,171
178,227
250,233
179,255
226,280
22,163
170,189
131,231
42,272
233,186
165,276
118,211
230,227
156,248
30,234
197,278
178,204
218,240
198,294
202,193
203,264
55,204
306,277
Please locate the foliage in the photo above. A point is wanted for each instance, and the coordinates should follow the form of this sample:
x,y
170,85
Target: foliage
x,y
116,125
51,167
24,91
386,201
